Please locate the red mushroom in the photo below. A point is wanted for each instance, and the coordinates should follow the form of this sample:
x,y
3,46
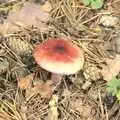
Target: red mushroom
x,y
59,56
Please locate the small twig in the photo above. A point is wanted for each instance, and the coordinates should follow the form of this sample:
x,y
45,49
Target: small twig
x,y
101,104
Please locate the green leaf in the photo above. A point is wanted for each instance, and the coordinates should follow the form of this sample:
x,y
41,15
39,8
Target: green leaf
x,y
86,2
118,95
113,86
95,4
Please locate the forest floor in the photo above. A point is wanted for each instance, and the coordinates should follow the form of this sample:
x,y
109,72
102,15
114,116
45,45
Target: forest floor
x,y
25,88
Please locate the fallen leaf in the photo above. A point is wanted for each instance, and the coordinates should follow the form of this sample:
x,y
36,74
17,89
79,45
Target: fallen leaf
x,y
30,14
25,82
112,69
45,89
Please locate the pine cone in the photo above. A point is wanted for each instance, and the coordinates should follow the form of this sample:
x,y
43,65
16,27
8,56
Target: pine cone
x,y
18,46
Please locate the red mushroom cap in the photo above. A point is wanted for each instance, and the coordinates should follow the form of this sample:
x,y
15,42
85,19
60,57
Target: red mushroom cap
x,y
59,56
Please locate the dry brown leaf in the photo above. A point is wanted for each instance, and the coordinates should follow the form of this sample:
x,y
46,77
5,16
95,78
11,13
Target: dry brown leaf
x,y
43,88
25,82
112,69
30,14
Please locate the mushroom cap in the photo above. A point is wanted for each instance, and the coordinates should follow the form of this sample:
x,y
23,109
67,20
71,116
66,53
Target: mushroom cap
x,y
59,56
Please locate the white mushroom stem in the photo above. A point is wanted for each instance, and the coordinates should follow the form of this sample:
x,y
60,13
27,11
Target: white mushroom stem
x,y
56,78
